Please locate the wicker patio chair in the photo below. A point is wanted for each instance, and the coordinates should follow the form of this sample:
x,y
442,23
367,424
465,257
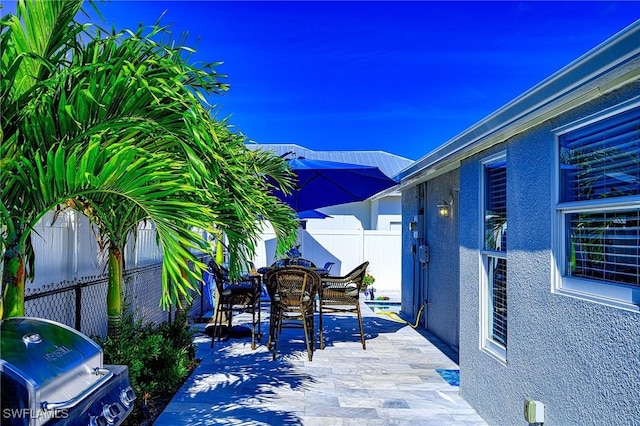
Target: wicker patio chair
x,y
237,296
293,291
342,294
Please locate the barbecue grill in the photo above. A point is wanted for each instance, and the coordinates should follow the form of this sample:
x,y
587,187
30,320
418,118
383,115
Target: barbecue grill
x,y
50,374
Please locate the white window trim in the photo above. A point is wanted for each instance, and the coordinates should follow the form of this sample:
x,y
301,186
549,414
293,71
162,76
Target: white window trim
x,y
487,345
609,294
594,118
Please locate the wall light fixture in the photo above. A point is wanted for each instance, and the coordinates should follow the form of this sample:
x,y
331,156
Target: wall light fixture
x,y
444,207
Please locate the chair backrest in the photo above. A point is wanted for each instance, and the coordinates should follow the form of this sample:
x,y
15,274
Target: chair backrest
x,y
209,287
293,285
358,273
343,290
220,275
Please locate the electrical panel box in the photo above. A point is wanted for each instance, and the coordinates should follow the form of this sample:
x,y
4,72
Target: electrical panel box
x,y
423,253
533,411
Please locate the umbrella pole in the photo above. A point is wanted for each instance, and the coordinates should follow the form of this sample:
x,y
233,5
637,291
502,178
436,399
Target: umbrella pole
x,y
301,231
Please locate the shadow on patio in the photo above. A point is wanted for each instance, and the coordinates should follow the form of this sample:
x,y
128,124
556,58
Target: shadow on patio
x,y
394,378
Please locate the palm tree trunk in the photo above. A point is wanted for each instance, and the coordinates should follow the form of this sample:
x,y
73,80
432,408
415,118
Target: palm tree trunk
x,y
114,293
220,250
13,283
181,312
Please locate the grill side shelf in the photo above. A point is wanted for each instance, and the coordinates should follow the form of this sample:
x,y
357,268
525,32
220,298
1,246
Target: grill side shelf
x,y
106,375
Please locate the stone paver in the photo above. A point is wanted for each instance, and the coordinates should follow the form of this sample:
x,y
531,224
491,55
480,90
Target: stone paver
x,y
392,382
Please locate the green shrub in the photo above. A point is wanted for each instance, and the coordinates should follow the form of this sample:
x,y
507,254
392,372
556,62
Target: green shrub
x,y
159,357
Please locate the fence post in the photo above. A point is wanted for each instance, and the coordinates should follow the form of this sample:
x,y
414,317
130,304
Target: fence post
x,y
78,291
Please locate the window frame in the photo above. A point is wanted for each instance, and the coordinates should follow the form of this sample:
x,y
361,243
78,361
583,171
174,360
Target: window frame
x,y
607,293
487,344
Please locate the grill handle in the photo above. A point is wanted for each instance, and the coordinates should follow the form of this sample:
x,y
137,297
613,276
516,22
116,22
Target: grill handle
x,y
106,375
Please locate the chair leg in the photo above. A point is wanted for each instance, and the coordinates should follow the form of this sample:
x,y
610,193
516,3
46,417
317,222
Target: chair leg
x,y
259,321
364,345
307,336
217,319
276,335
253,328
321,326
273,321
312,332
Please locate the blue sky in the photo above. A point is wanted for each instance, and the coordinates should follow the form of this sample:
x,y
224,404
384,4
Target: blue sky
x,y
403,77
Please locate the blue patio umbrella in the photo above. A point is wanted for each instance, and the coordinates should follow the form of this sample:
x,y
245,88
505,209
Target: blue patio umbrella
x,y
312,214
328,183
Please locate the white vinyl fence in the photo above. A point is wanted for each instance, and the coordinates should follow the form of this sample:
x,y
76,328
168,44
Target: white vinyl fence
x,y
66,250
69,263
347,249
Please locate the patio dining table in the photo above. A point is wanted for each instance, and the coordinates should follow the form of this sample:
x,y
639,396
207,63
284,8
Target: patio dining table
x,y
294,262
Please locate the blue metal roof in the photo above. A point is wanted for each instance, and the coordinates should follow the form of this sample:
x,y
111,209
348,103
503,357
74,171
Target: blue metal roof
x,y
389,164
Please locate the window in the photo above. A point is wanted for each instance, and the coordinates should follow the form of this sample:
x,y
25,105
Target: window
x,y
598,209
494,257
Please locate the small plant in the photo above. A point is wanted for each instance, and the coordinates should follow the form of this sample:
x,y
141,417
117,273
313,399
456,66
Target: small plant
x,y
367,282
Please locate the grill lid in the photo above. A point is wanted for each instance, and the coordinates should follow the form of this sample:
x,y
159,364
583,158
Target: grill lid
x,y
39,350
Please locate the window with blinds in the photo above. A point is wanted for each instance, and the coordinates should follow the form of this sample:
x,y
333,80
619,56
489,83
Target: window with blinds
x,y
605,246
496,206
600,177
494,254
601,160
498,322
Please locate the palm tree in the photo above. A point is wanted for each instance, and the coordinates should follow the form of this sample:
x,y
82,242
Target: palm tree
x,y
95,170
29,56
130,90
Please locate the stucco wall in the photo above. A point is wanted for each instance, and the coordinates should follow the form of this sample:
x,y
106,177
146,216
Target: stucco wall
x,y
411,204
581,359
435,281
442,272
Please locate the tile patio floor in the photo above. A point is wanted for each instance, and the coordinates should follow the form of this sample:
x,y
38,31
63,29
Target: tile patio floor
x,y
393,382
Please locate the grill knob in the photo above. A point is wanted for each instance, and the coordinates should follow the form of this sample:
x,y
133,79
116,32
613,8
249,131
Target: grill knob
x,y
127,396
110,412
98,421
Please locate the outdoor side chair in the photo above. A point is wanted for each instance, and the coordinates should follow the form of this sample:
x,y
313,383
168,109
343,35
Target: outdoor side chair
x,y
235,296
293,290
328,266
342,294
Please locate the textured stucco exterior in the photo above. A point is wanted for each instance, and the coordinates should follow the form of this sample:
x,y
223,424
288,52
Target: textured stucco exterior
x,y
411,205
580,358
434,281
